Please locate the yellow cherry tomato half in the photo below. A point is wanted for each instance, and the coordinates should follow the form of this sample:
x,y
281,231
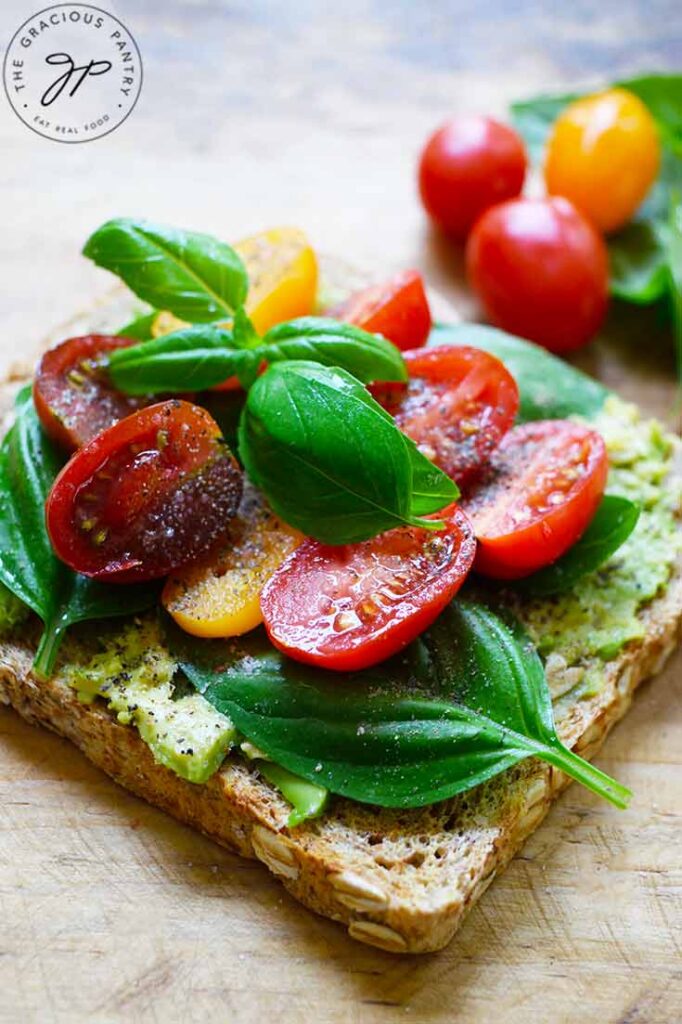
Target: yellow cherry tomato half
x,y
603,155
220,595
282,271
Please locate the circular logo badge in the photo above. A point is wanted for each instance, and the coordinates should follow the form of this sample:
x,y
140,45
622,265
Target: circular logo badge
x,y
72,73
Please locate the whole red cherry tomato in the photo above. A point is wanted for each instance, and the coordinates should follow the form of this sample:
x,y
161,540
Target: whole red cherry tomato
x,y
469,164
351,606
72,395
397,308
539,495
457,405
541,271
151,493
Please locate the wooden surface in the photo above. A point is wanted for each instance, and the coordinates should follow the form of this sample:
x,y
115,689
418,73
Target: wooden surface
x,y
254,114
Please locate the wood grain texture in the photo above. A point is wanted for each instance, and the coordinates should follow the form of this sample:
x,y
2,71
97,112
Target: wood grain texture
x,y
263,113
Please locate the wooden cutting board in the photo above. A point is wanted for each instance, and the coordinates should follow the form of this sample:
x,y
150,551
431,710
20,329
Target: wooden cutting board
x,y
109,910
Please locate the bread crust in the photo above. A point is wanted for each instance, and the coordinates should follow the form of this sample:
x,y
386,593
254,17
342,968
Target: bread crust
x,y
399,880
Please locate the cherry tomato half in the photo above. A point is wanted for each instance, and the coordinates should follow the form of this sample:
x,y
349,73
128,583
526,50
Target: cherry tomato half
x,y
603,155
351,606
220,594
458,404
398,309
72,395
154,491
469,164
539,495
541,271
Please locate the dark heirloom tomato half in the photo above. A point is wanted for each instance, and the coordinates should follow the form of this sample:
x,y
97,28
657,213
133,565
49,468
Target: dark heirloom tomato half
x,y
146,496
351,606
72,395
397,308
537,498
458,404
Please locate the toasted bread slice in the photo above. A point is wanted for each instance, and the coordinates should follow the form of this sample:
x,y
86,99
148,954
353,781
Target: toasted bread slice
x,y
401,880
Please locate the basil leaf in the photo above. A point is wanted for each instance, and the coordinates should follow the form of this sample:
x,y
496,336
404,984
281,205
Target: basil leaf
x,y
28,566
614,521
329,459
140,328
549,387
368,357
197,358
191,359
638,252
459,706
194,276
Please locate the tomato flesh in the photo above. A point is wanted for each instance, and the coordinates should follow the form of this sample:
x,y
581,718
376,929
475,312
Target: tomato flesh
x,y
72,396
348,607
541,271
468,165
398,309
539,495
458,404
153,492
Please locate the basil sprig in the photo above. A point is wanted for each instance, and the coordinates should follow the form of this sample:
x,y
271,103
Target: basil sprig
x,y
199,357
614,521
464,702
28,565
195,276
638,252
330,460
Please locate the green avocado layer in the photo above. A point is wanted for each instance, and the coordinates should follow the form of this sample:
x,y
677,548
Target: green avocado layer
x,y
588,626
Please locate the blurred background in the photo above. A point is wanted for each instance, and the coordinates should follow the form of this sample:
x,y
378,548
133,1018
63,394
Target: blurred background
x,y
254,114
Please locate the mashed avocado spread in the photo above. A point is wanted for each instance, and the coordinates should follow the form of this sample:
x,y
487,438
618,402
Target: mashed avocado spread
x,y
587,627
134,674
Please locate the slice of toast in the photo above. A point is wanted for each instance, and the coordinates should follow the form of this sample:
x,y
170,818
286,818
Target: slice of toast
x,y
401,880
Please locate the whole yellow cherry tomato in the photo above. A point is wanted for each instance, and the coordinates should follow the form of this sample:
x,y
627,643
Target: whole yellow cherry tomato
x,y
220,595
603,155
282,271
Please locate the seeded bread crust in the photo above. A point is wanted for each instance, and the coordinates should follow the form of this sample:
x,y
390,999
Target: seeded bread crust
x,y
399,880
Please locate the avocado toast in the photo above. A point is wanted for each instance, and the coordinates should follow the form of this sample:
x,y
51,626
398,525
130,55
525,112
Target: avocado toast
x,y
400,879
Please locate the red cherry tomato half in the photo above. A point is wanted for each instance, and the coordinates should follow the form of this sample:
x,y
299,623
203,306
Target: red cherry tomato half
x,y
72,395
458,404
351,606
469,164
149,494
541,271
398,309
539,495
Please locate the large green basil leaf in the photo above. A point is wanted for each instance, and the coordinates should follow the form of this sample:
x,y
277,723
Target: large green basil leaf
x,y
199,357
194,276
28,566
191,359
329,459
613,522
638,252
460,705
549,387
